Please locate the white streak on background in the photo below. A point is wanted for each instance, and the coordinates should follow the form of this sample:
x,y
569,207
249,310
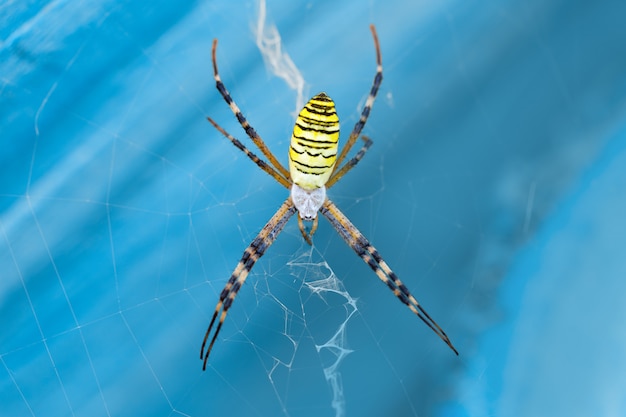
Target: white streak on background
x,y
529,206
269,43
320,279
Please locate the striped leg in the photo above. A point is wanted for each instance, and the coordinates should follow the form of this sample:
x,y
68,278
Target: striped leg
x,y
252,254
260,163
351,163
242,120
370,256
378,78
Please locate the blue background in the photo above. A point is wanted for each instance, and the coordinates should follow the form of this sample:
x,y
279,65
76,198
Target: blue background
x,y
495,189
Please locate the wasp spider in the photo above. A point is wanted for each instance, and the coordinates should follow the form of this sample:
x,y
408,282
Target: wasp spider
x,y
313,167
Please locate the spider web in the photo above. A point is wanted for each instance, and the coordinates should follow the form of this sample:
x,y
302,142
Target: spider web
x,y
493,190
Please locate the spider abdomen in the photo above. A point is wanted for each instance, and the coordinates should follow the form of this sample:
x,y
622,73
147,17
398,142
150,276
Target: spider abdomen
x,y
313,149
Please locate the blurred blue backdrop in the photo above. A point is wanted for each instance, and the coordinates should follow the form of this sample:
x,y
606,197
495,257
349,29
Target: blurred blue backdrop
x,y
495,189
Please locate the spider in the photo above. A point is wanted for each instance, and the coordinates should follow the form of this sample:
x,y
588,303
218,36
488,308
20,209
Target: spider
x,y
313,167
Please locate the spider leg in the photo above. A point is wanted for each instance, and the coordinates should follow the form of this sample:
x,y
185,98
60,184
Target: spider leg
x,y
378,78
252,254
313,227
370,256
351,163
260,163
242,120
307,235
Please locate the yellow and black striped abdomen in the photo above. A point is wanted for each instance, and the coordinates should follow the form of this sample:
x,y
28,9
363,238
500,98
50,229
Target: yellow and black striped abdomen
x,y
313,149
